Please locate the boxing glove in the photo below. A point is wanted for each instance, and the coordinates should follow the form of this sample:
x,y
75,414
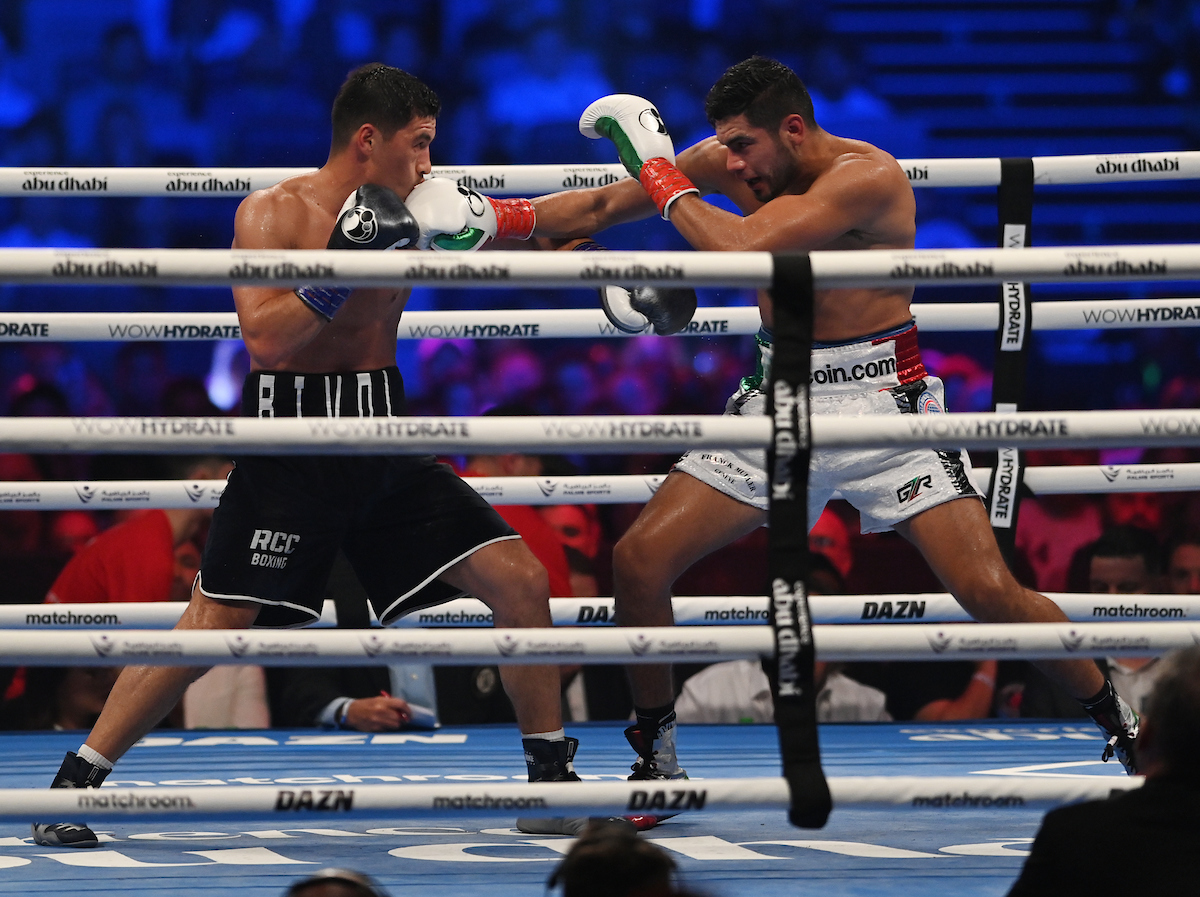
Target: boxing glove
x,y
643,145
454,218
372,217
669,310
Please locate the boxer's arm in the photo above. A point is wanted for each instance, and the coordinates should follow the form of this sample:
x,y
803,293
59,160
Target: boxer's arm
x,y
851,197
275,323
581,213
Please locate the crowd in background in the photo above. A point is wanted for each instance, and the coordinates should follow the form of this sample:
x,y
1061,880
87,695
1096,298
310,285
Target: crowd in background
x,y
187,83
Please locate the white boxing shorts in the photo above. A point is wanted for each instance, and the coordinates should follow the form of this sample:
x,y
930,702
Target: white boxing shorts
x,y
877,374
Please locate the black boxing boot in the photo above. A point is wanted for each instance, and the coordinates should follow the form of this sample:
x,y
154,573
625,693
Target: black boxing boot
x,y
1119,723
551,761
74,773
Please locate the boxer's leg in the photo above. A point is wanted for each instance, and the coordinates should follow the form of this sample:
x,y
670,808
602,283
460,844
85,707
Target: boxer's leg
x,y
139,700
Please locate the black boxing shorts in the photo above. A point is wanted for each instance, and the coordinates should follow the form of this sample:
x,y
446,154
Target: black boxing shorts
x,y
402,520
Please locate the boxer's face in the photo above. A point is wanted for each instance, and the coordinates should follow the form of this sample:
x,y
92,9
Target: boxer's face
x,y
402,160
757,157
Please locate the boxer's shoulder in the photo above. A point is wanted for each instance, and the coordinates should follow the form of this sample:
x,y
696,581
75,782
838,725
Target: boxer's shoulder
x,y
293,214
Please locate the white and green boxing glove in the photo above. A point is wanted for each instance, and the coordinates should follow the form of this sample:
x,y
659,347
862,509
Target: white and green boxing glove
x,y
643,144
457,219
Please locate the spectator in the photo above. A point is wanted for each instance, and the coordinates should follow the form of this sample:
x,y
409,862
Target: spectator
x,y
366,699
1123,561
1183,563
336,883
152,557
610,860
59,698
71,531
1159,823
121,80
738,691
539,535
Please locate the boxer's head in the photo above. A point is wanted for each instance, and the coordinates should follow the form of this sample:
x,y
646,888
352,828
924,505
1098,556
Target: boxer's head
x,y
387,118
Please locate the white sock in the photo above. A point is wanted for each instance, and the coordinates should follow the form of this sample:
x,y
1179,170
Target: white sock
x,y
93,757
556,735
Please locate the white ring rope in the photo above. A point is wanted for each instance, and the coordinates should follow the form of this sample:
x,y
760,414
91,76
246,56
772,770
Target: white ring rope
x,y
733,610
668,644
1095,314
571,490
840,269
382,435
532,180
934,793
613,434
295,267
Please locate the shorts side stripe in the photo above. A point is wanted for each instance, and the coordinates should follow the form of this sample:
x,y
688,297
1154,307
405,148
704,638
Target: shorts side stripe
x,y
386,615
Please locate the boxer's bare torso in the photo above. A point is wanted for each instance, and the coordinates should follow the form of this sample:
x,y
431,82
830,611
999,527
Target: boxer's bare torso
x,y
854,196
806,191
280,331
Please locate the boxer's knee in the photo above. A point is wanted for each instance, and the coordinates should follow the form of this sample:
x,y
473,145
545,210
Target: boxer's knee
x,y
522,599
206,612
990,595
638,565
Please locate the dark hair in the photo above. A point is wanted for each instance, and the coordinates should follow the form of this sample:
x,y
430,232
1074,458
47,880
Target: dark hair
x,y
610,860
386,97
764,90
1125,542
353,884
1174,708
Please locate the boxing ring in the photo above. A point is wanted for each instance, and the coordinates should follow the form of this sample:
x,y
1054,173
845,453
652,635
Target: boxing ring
x,y
422,809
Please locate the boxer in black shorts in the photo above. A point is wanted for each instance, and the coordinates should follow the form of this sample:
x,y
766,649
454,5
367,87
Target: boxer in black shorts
x,y
414,532
401,519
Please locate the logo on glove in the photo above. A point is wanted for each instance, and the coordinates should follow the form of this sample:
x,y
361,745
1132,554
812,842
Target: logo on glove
x,y
652,121
359,224
474,201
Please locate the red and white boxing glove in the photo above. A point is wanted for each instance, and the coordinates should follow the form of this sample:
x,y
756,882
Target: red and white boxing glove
x,y
457,219
643,144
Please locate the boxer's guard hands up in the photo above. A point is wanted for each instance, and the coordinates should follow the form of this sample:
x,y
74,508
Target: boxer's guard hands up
x,y
372,217
453,218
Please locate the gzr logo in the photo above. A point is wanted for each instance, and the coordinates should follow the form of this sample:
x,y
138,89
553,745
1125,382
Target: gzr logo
x,y
910,490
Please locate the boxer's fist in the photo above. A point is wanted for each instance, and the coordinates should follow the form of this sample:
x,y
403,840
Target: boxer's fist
x,y
451,217
633,124
454,218
668,310
372,217
643,144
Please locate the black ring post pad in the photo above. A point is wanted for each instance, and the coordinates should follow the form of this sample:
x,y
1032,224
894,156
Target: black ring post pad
x,y
791,669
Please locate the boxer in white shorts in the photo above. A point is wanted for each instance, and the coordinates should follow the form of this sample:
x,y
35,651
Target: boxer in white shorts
x,y
879,374
798,188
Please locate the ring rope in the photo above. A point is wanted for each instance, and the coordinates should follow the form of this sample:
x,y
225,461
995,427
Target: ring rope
x,y
667,644
934,792
348,268
569,490
528,180
1090,314
830,269
689,610
612,434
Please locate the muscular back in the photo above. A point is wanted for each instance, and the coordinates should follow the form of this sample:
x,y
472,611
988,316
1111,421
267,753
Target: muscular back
x,y
280,331
848,195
